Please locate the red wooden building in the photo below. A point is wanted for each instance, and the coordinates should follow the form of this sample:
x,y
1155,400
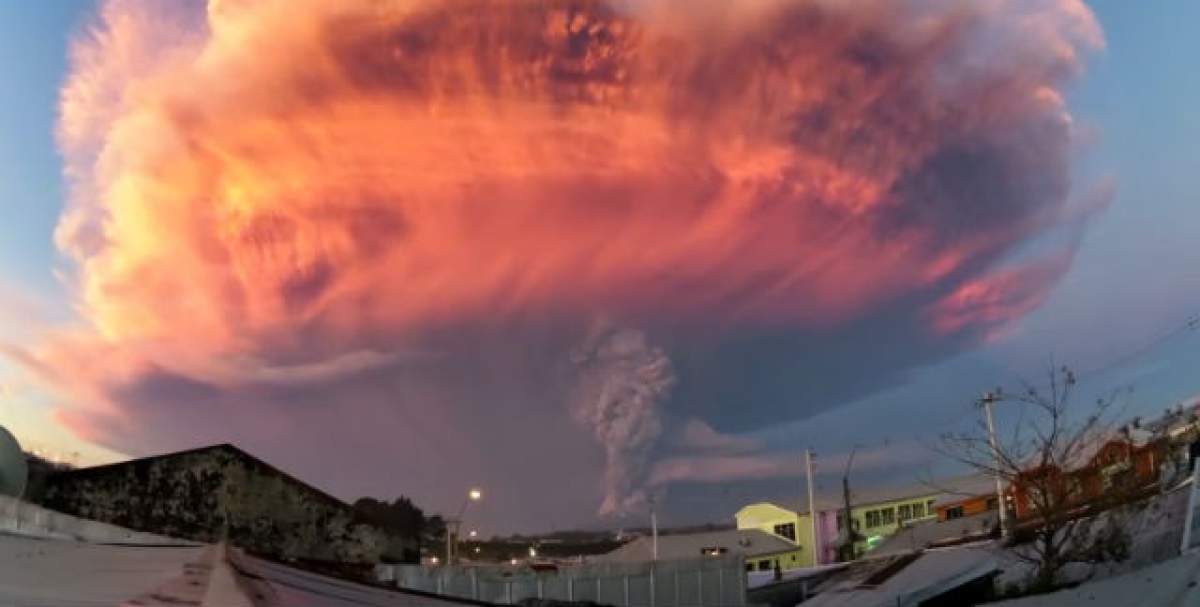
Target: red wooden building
x,y
1120,462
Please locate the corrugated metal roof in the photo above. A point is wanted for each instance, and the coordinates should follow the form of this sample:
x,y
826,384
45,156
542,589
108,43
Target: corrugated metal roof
x,y
923,534
933,573
748,542
61,573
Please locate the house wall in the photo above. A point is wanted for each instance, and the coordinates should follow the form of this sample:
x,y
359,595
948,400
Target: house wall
x,y
875,530
793,559
208,494
977,504
1088,483
766,517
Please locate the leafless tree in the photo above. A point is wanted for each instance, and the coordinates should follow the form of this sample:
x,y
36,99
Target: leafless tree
x,y
1046,461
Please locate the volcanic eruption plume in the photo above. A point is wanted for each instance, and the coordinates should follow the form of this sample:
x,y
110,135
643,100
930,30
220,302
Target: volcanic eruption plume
x,y
296,190
625,382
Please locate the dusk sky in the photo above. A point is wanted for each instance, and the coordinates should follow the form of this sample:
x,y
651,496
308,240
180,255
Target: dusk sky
x,y
585,255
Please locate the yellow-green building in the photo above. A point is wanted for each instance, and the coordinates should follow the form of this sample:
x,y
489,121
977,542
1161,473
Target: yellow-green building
x,y
875,515
783,523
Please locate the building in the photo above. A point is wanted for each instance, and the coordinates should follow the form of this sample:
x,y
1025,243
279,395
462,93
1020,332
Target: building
x,y
220,491
762,551
967,506
875,514
1124,464
781,523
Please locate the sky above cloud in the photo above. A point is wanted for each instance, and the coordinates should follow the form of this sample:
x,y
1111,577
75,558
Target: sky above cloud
x,y
582,254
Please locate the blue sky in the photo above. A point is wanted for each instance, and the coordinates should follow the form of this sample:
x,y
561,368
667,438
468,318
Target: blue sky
x,y
1136,275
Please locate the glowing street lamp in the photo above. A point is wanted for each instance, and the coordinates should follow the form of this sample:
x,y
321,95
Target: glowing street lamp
x,y
474,494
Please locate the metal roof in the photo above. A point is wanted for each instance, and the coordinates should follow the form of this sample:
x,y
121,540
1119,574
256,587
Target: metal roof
x,y
923,534
40,571
748,542
909,580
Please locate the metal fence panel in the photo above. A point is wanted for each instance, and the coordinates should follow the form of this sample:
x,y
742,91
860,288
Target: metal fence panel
x,y
708,582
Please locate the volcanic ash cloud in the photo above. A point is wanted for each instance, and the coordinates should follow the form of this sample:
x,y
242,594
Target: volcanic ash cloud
x,y
294,183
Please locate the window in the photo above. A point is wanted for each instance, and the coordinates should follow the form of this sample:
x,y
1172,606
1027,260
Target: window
x,y
887,516
787,530
749,566
993,504
764,565
955,512
905,512
872,518
1074,489
841,521
929,505
918,510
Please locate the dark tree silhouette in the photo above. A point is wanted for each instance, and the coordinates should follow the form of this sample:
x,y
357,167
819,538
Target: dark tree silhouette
x,y
1064,521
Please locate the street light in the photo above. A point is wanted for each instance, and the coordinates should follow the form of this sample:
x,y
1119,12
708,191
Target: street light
x,y
474,494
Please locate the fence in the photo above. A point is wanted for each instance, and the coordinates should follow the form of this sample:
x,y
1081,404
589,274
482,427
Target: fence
x,y
1191,525
707,582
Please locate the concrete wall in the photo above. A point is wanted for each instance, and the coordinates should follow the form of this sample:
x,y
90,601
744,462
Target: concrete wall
x,y
203,494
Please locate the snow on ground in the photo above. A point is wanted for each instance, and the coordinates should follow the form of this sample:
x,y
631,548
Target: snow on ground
x,y
1174,583
756,579
1155,528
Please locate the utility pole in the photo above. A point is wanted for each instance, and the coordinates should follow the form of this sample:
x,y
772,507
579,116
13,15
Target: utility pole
x,y
653,531
986,402
846,550
812,506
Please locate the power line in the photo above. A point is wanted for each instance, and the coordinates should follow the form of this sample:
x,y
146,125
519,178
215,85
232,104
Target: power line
x,y
1190,324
